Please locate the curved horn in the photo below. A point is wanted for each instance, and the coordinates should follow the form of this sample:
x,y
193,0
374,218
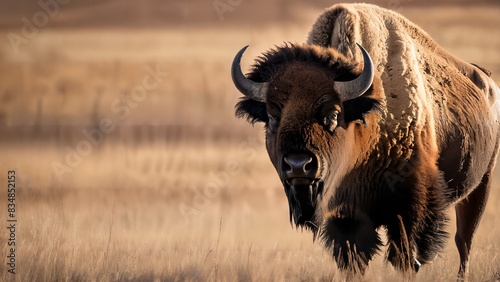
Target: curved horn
x,y
349,90
251,89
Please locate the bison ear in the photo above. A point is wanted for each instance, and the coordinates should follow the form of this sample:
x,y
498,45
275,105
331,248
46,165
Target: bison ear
x,y
357,108
254,111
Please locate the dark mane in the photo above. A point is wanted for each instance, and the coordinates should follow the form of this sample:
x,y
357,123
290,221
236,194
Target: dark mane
x,y
267,65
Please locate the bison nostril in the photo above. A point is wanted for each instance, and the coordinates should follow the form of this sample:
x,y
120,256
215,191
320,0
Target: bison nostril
x,y
308,167
286,167
302,165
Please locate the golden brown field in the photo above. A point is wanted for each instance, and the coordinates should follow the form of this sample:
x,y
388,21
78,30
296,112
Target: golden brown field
x,y
169,185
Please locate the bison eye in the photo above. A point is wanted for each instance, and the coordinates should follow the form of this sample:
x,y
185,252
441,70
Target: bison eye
x,y
330,121
272,124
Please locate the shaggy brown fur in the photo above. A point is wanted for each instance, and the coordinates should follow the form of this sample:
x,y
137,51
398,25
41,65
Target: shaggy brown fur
x,y
424,137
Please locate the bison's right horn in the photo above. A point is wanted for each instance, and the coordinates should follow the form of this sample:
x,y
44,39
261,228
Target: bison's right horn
x,y
349,90
251,89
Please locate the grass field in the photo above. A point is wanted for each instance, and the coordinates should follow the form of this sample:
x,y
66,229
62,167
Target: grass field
x,y
172,186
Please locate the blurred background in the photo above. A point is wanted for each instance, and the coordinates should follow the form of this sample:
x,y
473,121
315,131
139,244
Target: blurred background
x,y
118,117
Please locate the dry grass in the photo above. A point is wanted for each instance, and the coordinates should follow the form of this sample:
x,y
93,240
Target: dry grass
x,y
147,203
122,220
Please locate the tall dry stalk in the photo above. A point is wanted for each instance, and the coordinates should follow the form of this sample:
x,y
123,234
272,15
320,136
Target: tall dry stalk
x,y
216,249
110,231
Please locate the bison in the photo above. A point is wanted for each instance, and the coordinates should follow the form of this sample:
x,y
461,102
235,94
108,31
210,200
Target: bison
x,y
380,136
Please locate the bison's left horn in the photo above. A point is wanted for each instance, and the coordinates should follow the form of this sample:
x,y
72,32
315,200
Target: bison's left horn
x,y
249,88
349,90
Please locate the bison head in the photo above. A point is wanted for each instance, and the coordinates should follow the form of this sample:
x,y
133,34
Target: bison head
x,y
313,102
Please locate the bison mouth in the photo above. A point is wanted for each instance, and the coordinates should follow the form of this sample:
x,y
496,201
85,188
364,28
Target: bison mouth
x,y
302,194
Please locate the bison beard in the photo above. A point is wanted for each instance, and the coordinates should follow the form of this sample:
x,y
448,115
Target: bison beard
x,y
302,203
353,242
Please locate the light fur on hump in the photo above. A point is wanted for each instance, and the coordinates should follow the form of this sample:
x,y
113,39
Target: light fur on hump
x,y
410,64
